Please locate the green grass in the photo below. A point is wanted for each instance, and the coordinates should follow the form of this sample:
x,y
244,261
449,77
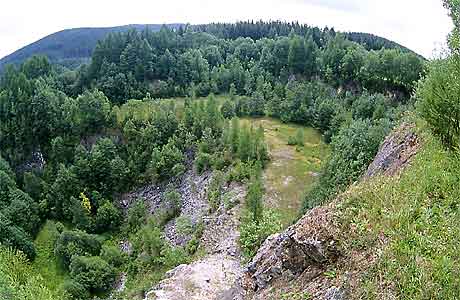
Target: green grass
x,y
46,263
418,214
292,170
142,110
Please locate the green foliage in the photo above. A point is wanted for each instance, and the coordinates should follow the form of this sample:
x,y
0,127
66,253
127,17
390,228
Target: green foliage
x,y
166,162
253,234
184,225
92,272
93,111
353,148
18,280
108,217
417,212
228,109
76,243
214,193
113,255
15,237
22,211
438,100
137,216
298,139
253,199
76,290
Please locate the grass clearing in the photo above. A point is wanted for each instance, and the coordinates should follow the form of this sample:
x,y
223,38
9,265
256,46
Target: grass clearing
x,y
46,263
292,169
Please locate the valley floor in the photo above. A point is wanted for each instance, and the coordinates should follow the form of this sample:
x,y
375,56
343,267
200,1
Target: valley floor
x,y
292,169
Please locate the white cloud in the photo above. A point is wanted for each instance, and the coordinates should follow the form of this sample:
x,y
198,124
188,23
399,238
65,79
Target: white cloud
x,y
417,24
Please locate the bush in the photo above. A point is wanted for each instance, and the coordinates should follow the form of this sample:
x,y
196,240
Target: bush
x,y
76,243
148,243
172,257
75,290
113,255
203,161
137,216
215,190
352,150
240,172
184,225
108,217
438,97
13,236
92,272
253,234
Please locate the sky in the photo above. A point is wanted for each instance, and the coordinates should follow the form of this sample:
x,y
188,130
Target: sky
x,y
421,25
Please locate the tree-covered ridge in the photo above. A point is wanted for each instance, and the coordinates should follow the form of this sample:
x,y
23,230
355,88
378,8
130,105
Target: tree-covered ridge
x,y
70,47
184,62
73,47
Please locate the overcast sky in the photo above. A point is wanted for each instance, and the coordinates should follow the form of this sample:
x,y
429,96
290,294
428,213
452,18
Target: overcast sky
x,y
421,25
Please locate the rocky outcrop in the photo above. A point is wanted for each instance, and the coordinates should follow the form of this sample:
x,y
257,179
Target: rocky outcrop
x,y
301,250
395,152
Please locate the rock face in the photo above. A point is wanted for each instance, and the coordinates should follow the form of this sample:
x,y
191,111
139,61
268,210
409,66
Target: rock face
x,y
395,152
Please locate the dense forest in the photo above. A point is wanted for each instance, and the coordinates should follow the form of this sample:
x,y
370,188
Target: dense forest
x,y
73,141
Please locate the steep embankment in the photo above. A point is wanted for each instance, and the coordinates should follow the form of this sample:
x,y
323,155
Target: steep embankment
x,y
329,252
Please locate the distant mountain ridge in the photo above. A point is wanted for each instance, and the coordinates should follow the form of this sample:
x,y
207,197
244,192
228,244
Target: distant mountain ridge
x,y
72,47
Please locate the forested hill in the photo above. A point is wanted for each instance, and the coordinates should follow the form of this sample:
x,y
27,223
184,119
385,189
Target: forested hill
x,y
72,47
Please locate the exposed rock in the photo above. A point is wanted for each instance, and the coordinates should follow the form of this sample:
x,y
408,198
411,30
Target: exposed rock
x,y
210,277
334,293
36,162
395,152
201,280
309,242
126,247
194,204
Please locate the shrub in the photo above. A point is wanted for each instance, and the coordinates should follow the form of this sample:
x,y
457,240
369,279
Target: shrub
x,y
137,215
92,272
75,290
215,190
76,243
112,255
253,234
438,96
13,236
171,257
108,217
203,161
184,225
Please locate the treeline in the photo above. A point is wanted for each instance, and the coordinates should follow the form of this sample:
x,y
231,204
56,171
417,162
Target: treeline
x,y
168,63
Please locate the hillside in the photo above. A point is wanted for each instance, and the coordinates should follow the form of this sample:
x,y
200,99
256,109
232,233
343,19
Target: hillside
x,y
71,47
